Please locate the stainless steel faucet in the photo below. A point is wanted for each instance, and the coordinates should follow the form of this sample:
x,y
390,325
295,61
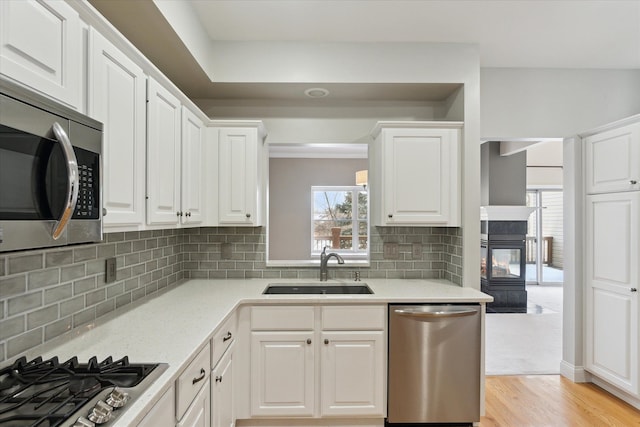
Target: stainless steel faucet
x,y
324,258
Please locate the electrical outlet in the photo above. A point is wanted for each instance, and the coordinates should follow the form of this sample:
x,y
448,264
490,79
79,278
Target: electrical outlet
x,y
416,251
226,251
110,270
390,250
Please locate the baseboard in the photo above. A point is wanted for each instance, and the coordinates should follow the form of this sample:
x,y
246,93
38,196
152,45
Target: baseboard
x,y
631,400
577,374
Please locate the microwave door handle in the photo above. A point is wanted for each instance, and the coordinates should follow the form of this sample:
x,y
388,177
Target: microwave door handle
x,y
72,180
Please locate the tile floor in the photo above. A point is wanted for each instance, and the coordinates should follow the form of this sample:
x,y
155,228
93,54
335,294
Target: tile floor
x,y
530,343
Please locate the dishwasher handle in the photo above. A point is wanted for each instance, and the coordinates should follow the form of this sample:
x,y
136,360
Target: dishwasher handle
x,y
421,313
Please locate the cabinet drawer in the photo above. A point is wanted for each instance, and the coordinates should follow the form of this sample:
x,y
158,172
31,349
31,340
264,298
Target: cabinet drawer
x,y
290,318
354,317
222,339
192,380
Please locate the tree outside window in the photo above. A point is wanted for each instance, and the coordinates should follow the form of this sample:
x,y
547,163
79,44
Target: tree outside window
x,y
340,220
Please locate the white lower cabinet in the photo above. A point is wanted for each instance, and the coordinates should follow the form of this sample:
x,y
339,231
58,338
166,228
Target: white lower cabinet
x,y
163,413
222,392
352,373
199,413
612,272
318,372
193,396
282,373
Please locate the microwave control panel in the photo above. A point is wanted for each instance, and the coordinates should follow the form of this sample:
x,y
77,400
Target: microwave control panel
x,y
88,189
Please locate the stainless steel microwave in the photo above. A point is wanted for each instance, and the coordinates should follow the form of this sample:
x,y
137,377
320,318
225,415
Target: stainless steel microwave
x,y
50,173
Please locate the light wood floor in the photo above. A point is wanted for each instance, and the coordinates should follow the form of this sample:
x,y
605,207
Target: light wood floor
x,y
552,401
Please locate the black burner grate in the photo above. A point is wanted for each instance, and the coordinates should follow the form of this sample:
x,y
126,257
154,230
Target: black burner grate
x,y
45,393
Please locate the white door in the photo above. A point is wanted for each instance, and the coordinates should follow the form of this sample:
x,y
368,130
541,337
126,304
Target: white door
x,y
612,160
417,167
199,413
282,374
611,275
117,98
222,404
238,176
41,47
192,168
353,373
163,155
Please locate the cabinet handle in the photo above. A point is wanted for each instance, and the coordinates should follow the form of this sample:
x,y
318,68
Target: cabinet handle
x,y
390,216
201,377
633,182
218,378
227,337
248,215
187,214
308,340
178,213
326,341
634,289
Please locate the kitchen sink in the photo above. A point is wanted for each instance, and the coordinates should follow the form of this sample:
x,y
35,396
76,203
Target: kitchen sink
x,y
316,288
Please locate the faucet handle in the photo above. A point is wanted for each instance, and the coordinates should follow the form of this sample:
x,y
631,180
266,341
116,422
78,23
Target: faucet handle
x,y
324,250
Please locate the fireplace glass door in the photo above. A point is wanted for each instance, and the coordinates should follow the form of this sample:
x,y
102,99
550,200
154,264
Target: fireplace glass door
x,y
505,263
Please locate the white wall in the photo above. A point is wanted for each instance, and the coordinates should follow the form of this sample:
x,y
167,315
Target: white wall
x,y
554,103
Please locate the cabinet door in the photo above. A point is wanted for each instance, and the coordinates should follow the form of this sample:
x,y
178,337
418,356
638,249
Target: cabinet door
x,y
418,169
163,155
282,374
163,412
41,47
222,403
117,98
611,275
192,168
199,413
238,179
353,373
612,160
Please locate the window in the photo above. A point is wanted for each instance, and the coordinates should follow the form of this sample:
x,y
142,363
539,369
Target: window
x,y
340,220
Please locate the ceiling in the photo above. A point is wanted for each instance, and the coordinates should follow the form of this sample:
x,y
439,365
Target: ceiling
x,y
509,33
515,33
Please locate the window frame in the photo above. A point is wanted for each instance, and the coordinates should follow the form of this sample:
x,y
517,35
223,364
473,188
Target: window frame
x,y
345,253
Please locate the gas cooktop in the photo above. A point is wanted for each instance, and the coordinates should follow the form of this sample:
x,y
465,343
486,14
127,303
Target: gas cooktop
x,y
50,393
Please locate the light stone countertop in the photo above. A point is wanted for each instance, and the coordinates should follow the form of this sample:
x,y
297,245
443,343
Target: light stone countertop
x,y
172,327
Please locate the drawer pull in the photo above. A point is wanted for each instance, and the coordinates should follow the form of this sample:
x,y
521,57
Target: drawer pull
x,y
227,337
634,289
308,340
633,182
218,378
203,374
326,341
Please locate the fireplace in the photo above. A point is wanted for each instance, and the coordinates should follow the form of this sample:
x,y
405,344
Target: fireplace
x,y
502,266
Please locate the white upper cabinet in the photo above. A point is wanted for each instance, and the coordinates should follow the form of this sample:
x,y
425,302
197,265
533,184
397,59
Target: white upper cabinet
x,y
41,47
415,174
612,160
117,98
193,133
241,165
163,155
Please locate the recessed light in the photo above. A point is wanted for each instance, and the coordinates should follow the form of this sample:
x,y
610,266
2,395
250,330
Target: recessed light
x,y
316,92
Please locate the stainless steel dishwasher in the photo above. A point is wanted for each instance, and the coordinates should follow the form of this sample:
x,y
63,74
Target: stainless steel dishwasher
x,y
434,364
